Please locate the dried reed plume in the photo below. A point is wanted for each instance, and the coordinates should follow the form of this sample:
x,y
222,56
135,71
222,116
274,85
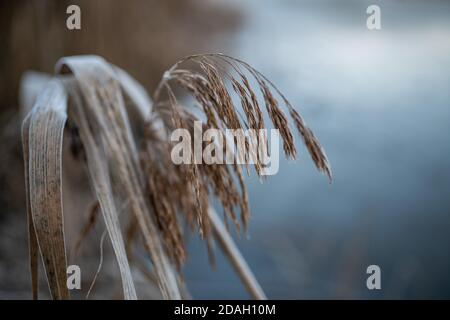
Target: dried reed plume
x,y
125,142
186,189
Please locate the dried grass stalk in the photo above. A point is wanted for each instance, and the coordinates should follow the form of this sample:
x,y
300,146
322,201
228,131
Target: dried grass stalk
x,y
237,260
130,165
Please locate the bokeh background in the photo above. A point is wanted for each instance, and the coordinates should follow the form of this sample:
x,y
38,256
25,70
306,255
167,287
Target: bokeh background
x,y
378,100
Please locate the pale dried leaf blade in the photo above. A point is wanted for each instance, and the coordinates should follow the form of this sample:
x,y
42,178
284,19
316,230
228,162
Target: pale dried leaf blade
x,y
100,179
33,249
106,115
45,126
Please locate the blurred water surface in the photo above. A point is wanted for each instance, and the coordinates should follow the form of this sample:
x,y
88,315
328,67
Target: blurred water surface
x,y
380,103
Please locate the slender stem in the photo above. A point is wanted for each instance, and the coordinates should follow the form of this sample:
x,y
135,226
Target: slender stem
x,y
235,257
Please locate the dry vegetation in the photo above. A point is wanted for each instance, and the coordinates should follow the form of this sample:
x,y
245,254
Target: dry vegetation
x,y
123,139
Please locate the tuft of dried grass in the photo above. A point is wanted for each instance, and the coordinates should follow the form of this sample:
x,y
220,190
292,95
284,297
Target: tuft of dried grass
x,y
187,189
124,140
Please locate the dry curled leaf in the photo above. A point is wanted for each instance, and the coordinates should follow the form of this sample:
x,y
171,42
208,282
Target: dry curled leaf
x,y
42,135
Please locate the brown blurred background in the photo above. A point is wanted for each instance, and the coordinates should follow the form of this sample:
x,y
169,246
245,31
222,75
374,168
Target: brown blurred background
x,y
142,36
